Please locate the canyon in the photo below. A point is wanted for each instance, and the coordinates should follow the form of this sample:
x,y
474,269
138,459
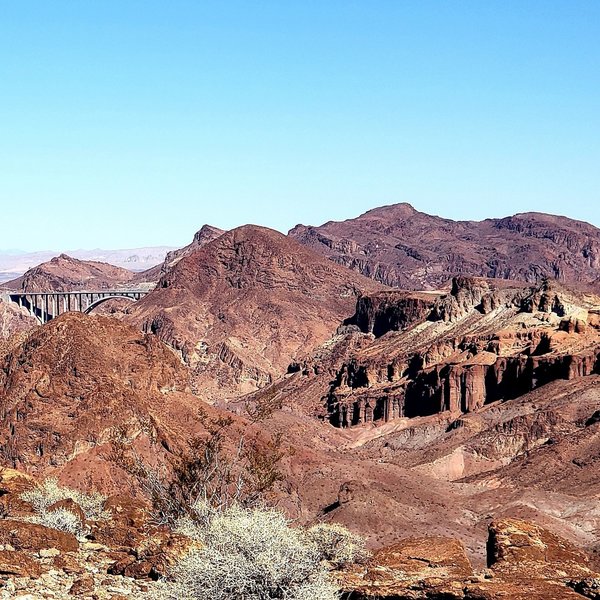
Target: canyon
x,y
444,405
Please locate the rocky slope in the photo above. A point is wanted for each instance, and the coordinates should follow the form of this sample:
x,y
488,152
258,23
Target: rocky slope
x,y
71,386
74,384
240,308
14,321
401,247
64,273
122,554
205,235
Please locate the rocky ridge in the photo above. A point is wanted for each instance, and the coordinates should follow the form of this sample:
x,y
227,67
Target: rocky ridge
x,y
240,308
64,273
205,235
402,247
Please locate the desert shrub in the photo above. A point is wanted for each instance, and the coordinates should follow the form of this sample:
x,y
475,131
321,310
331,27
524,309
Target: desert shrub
x,y
250,554
211,471
61,519
337,545
49,492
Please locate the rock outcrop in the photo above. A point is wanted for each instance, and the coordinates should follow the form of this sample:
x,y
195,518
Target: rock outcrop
x,y
527,563
458,351
13,322
204,236
401,247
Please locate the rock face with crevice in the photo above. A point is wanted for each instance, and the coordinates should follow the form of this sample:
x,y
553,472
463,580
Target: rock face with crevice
x,y
460,350
527,562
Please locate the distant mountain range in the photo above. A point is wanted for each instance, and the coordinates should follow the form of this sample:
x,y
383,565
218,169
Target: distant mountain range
x,y
14,263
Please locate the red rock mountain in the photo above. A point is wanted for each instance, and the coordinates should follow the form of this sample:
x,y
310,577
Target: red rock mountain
x,y
76,383
401,247
206,234
64,273
241,307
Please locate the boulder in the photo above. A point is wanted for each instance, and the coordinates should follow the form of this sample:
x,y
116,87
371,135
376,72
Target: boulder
x,y
19,564
518,547
23,535
12,484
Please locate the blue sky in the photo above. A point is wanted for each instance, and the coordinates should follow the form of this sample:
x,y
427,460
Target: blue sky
x,y
128,123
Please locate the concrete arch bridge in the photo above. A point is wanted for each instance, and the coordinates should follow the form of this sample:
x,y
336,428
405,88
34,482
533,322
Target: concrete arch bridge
x,y
48,305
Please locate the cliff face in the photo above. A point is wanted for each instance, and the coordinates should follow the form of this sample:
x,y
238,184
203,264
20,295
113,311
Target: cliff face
x,y
404,248
424,354
390,311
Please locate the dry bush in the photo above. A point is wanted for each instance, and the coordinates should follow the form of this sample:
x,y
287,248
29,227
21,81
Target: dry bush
x,y
337,545
250,554
209,472
49,492
61,519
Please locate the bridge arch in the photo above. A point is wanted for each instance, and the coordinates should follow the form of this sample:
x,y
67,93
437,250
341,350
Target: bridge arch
x,y
97,303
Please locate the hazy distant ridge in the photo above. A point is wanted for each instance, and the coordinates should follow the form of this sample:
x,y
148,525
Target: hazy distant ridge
x,y
135,259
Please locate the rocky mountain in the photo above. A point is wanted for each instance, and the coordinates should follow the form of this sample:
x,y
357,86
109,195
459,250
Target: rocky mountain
x,y
64,273
457,429
13,263
402,247
241,307
206,234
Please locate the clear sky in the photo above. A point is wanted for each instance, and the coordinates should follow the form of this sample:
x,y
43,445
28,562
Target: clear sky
x,y
126,123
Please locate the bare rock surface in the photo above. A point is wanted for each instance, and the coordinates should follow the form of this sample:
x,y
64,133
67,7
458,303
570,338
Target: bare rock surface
x,y
240,308
402,247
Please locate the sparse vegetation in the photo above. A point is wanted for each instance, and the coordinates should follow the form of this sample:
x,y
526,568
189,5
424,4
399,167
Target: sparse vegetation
x,y
213,471
49,492
61,519
249,554
337,545
43,496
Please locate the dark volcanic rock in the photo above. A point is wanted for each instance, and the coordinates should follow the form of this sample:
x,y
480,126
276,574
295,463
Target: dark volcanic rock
x,y
391,311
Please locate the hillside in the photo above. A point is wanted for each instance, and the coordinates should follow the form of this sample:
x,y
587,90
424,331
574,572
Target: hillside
x,y
242,307
402,247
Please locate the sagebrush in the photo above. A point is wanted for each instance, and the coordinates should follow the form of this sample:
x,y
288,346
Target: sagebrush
x,y
338,545
249,554
44,495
